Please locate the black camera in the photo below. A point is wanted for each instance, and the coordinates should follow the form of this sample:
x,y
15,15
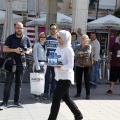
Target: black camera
x,y
23,58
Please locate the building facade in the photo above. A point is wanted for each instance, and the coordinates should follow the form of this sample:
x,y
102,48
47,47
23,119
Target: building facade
x,y
30,8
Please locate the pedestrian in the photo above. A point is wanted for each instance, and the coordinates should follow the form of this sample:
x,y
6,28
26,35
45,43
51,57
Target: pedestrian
x,y
64,76
83,49
15,45
114,64
39,56
51,43
96,57
79,35
74,42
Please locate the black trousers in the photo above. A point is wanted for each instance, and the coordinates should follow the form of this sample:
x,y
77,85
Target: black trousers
x,y
79,73
18,81
62,92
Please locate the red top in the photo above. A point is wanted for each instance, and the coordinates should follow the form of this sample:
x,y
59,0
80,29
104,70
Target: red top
x,y
115,49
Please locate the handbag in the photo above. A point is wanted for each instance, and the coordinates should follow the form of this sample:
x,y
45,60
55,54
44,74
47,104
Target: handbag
x,y
37,81
2,59
85,61
7,64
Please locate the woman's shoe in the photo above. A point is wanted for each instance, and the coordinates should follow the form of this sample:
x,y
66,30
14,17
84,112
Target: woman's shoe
x,y
77,95
79,118
87,97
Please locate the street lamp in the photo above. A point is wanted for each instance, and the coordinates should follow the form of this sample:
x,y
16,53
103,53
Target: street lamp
x,y
97,9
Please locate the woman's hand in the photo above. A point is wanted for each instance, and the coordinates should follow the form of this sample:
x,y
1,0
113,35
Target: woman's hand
x,y
94,62
108,66
18,51
57,66
80,54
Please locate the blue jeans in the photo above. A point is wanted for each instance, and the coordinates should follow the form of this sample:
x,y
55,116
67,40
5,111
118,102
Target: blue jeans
x,y
47,78
94,73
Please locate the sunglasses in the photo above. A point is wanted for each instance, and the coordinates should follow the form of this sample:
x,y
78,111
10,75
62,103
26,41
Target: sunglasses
x,y
19,28
53,29
42,37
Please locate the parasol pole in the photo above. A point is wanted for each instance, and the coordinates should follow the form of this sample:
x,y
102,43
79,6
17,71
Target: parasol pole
x,y
108,40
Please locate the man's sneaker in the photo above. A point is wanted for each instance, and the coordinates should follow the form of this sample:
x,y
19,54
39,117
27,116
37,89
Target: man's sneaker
x,y
51,96
109,92
87,97
3,105
45,96
18,104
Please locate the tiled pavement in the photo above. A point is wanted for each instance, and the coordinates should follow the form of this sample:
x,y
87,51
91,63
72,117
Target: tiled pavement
x,y
99,107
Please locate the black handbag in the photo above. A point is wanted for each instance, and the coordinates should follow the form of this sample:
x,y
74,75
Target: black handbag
x,y
7,64
2,59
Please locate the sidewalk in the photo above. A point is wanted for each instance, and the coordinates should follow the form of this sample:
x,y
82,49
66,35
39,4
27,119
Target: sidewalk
x,y
99,107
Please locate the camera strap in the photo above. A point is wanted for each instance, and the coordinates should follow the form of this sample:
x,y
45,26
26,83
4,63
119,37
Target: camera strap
x,y
22,39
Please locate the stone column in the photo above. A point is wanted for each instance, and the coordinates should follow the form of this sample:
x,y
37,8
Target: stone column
x,y
80,15
117,3
51,13
37,16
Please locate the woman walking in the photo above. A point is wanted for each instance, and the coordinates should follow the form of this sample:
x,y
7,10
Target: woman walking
x,y
64,75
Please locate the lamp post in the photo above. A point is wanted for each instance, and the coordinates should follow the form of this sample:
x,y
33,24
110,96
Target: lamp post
x,y
97,9
51,13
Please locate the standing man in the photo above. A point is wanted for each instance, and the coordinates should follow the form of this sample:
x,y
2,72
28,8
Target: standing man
x,y
79,35
51,43
15,44
96,57
114,64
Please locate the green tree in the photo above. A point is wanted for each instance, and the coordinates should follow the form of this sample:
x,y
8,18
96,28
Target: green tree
x,y
117,12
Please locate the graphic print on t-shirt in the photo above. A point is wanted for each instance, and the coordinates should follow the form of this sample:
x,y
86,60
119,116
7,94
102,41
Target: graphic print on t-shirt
x,y
118,53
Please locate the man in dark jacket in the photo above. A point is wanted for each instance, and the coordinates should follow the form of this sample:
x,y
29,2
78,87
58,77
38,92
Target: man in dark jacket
x,y
15,45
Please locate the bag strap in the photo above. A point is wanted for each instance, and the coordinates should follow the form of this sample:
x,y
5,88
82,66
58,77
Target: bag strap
x,y
22,38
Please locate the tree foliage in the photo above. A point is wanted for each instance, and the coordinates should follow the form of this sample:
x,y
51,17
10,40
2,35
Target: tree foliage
x,y
117,12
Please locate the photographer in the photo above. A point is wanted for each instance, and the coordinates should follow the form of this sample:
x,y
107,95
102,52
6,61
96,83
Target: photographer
x,y
16,45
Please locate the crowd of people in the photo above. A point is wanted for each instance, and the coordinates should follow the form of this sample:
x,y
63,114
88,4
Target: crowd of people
x,y
69,48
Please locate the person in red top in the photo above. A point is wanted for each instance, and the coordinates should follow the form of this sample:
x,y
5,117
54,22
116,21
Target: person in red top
x,y
114,64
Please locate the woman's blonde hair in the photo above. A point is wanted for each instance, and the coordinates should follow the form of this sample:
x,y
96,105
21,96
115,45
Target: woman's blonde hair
x,y
86,37
41,34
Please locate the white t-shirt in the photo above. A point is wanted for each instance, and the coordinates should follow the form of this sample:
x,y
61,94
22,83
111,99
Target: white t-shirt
x,y
66,56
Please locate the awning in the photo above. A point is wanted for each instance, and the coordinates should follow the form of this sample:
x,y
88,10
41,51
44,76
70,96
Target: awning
x,y
16,18
107,4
